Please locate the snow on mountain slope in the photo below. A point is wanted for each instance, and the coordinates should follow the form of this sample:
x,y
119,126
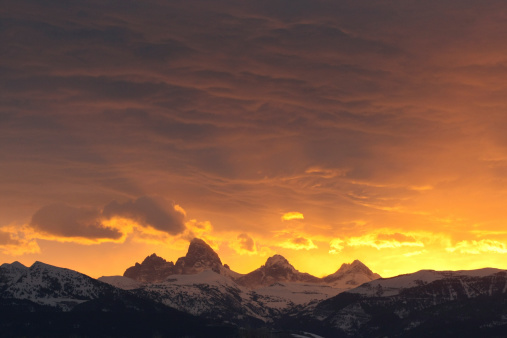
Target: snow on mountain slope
x,y
393,286
409,301
10,273
220,298
207,294
276,269
285,296
351,275
199,284
50,285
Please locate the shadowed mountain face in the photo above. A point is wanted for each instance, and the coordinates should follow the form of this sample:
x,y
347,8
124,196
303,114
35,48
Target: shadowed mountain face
x,y
353,274
276,269
200,257
10,273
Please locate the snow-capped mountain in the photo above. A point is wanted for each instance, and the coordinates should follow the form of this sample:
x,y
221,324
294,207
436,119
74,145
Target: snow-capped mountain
x,y
276,269
10,273
50,285
48,301
425,303
394,286
199,284
351,275
450,303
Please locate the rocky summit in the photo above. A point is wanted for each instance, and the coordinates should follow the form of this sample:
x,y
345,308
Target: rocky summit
x,y
355,273
276,269
152,269
200,257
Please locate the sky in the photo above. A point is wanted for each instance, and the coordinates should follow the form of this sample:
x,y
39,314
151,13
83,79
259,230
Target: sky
x,y
322,130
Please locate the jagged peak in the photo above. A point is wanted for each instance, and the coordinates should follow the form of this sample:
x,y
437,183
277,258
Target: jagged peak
x,y
354,267
357,262
199,249
198,241
277,260
37,264
154,258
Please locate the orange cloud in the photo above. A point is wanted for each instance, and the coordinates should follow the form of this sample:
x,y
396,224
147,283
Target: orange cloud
x,y
289,216
477,247
336,246
298,243
244,245
375,240
17,240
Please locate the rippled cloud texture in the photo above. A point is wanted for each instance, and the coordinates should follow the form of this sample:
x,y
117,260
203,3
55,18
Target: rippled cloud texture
x,y
383,123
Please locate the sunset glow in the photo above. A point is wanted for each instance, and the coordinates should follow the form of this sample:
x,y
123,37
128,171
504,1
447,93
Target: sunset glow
x,y
324,131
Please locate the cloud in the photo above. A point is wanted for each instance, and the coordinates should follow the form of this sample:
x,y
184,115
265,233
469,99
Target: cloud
x,y
148,212
66,221
243,109
5,238
477,247
289,216
244,245
384,241
199,229
246,242
144,218
17,240
378,241
298,243
336,246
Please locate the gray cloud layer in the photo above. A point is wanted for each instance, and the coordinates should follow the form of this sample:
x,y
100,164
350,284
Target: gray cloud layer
x,y
66,221
147,212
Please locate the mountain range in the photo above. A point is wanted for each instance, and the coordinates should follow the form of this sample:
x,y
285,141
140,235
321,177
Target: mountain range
x,y
203,297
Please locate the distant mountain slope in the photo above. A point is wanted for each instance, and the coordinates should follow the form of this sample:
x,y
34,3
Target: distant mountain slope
x,y
10,273
46,284
351,275
276,269
48,301
200,285
414,305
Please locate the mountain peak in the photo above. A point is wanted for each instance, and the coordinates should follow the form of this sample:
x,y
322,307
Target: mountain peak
x,y
200,256
13,265
152,269
278,260
277,269
18,265
356,271
153,259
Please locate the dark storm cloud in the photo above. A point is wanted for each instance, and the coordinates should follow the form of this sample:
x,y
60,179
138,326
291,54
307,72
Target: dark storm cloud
x,y
148,212
66,221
